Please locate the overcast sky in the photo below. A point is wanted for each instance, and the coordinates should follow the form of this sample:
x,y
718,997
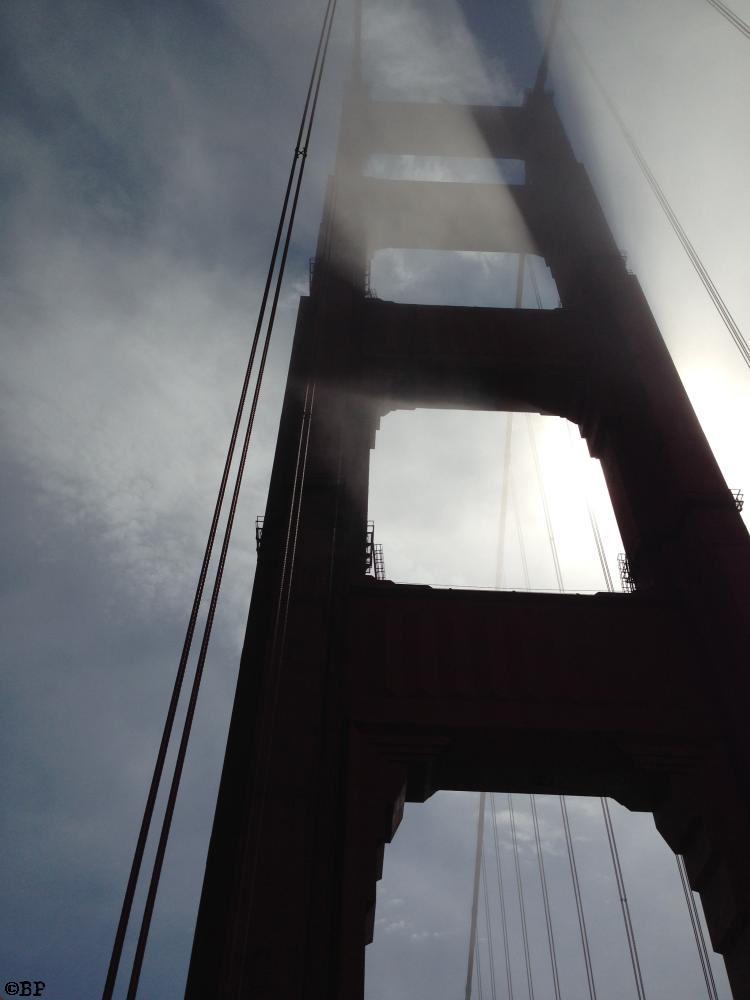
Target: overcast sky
x,y
145,148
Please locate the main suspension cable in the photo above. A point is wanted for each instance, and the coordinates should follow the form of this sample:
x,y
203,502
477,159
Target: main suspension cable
x,y
251,859
327,25
734,19
154,786
700,269
700,940
298,165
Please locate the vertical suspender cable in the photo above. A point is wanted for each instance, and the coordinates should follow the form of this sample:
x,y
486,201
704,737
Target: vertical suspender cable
x,y
535,286
521,906
473,951
520,280
357,60
630,933
500,567
501,892
600,551
480,990
611,839
300,155
488,922
503,510
563,806
579,901
545,505
700,940
519,532
508,490
545,898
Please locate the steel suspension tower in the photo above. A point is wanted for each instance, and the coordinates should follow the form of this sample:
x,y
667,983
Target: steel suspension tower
x,y
357,694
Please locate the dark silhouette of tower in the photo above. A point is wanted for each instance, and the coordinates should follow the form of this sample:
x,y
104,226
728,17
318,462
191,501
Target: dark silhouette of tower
x,y
355,695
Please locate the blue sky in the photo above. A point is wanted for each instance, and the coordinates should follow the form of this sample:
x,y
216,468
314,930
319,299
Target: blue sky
x,y
144,156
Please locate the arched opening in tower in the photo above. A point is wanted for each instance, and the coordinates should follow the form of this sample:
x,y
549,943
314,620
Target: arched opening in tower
x,y
430,885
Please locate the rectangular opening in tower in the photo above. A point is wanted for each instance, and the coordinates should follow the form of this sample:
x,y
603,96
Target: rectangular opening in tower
x,y
463,278
466,498
455,169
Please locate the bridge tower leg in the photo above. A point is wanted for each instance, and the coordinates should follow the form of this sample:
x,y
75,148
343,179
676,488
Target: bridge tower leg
x,y
355,695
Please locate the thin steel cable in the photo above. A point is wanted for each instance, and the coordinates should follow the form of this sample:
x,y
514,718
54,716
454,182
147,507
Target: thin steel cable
x,y
700,940
501,893
599,544
480,991
357,58
566,824
187,725
473,949
147,818
520,280
734,19
508,485
578,900
545,505
250,858
700,268
600,551
535,286
241,942
279,636
545,899
611,839
501,531
278,643
629,931
519,532
521,905
281,619
488,922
